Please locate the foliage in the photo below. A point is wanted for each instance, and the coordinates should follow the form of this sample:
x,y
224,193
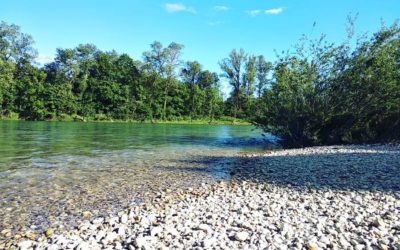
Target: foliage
x,y
85,83
327,94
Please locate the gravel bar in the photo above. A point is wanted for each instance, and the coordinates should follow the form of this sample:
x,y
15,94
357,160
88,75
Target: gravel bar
x,y
336,197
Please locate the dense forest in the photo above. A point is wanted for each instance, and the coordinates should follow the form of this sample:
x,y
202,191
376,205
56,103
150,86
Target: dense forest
x,y
85,83
316,93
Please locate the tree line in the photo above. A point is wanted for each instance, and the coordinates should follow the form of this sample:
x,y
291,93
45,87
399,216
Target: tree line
x,y
316,93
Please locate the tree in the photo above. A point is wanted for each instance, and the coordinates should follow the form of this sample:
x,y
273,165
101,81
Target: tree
x,y
164,61
250,75
207,79
232,68
190,75
191,71
7,87
15,46
262,68
329,94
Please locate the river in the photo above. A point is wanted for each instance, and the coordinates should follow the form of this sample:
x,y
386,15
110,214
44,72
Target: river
x,y
50,172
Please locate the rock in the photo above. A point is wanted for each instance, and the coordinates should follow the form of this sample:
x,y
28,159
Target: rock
x,y
171,230
25,245
378,222
121,231
87,214
344,243
17,237
152,218
312,246
209,242
49,232
359,247
30,235
325,240
204,227
82,246
56,247
110,238
241,236
383,247
6,232
144,222
141,242
124,218
118,246
156,231
98,220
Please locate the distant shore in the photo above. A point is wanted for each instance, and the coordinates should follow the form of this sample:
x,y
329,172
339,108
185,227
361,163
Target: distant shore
x,y
221,121
340,197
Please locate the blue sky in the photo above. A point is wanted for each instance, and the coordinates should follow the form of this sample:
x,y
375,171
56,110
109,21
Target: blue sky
x,y
208,29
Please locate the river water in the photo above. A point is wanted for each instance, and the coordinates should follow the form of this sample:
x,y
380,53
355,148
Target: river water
x,y
50,172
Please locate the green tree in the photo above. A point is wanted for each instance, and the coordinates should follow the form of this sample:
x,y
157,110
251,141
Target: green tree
x,y
232,66
250,76
262,68
164,61
15,46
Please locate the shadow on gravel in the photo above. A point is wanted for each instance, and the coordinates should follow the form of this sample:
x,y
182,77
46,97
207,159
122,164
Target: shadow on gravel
x,y
374,171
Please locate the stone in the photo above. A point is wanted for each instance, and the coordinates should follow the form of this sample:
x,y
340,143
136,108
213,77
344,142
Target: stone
x,y
121,231
49,232
383,247
156,231
359,247
82,246
141,242
209,242
110,238
312,246
25,245
17,237
241,236
87,214
98,220
118,246
30,235
6,232
204,227
378,222
124,218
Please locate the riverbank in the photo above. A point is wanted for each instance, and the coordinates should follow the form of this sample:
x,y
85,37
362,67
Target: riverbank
x,y
184,121
342,197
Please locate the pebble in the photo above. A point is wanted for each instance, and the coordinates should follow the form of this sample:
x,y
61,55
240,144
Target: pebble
x,y
49,232
204,227
30,235
124,218
241,236
156,231
209,242
25,245
249,212
312,246
87,214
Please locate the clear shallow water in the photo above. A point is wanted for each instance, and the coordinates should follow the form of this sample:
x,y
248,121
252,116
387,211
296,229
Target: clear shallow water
x,y
43,144
52,171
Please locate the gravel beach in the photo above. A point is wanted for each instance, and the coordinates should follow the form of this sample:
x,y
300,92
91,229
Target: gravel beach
x,y
337,197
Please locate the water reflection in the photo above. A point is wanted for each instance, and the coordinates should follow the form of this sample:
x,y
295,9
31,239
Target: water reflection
x,y
27,143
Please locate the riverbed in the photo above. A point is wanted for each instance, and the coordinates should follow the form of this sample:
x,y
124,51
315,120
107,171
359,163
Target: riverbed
x,y
53,172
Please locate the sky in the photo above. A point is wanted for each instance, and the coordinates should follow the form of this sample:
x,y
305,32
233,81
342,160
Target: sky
x,y
209,30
